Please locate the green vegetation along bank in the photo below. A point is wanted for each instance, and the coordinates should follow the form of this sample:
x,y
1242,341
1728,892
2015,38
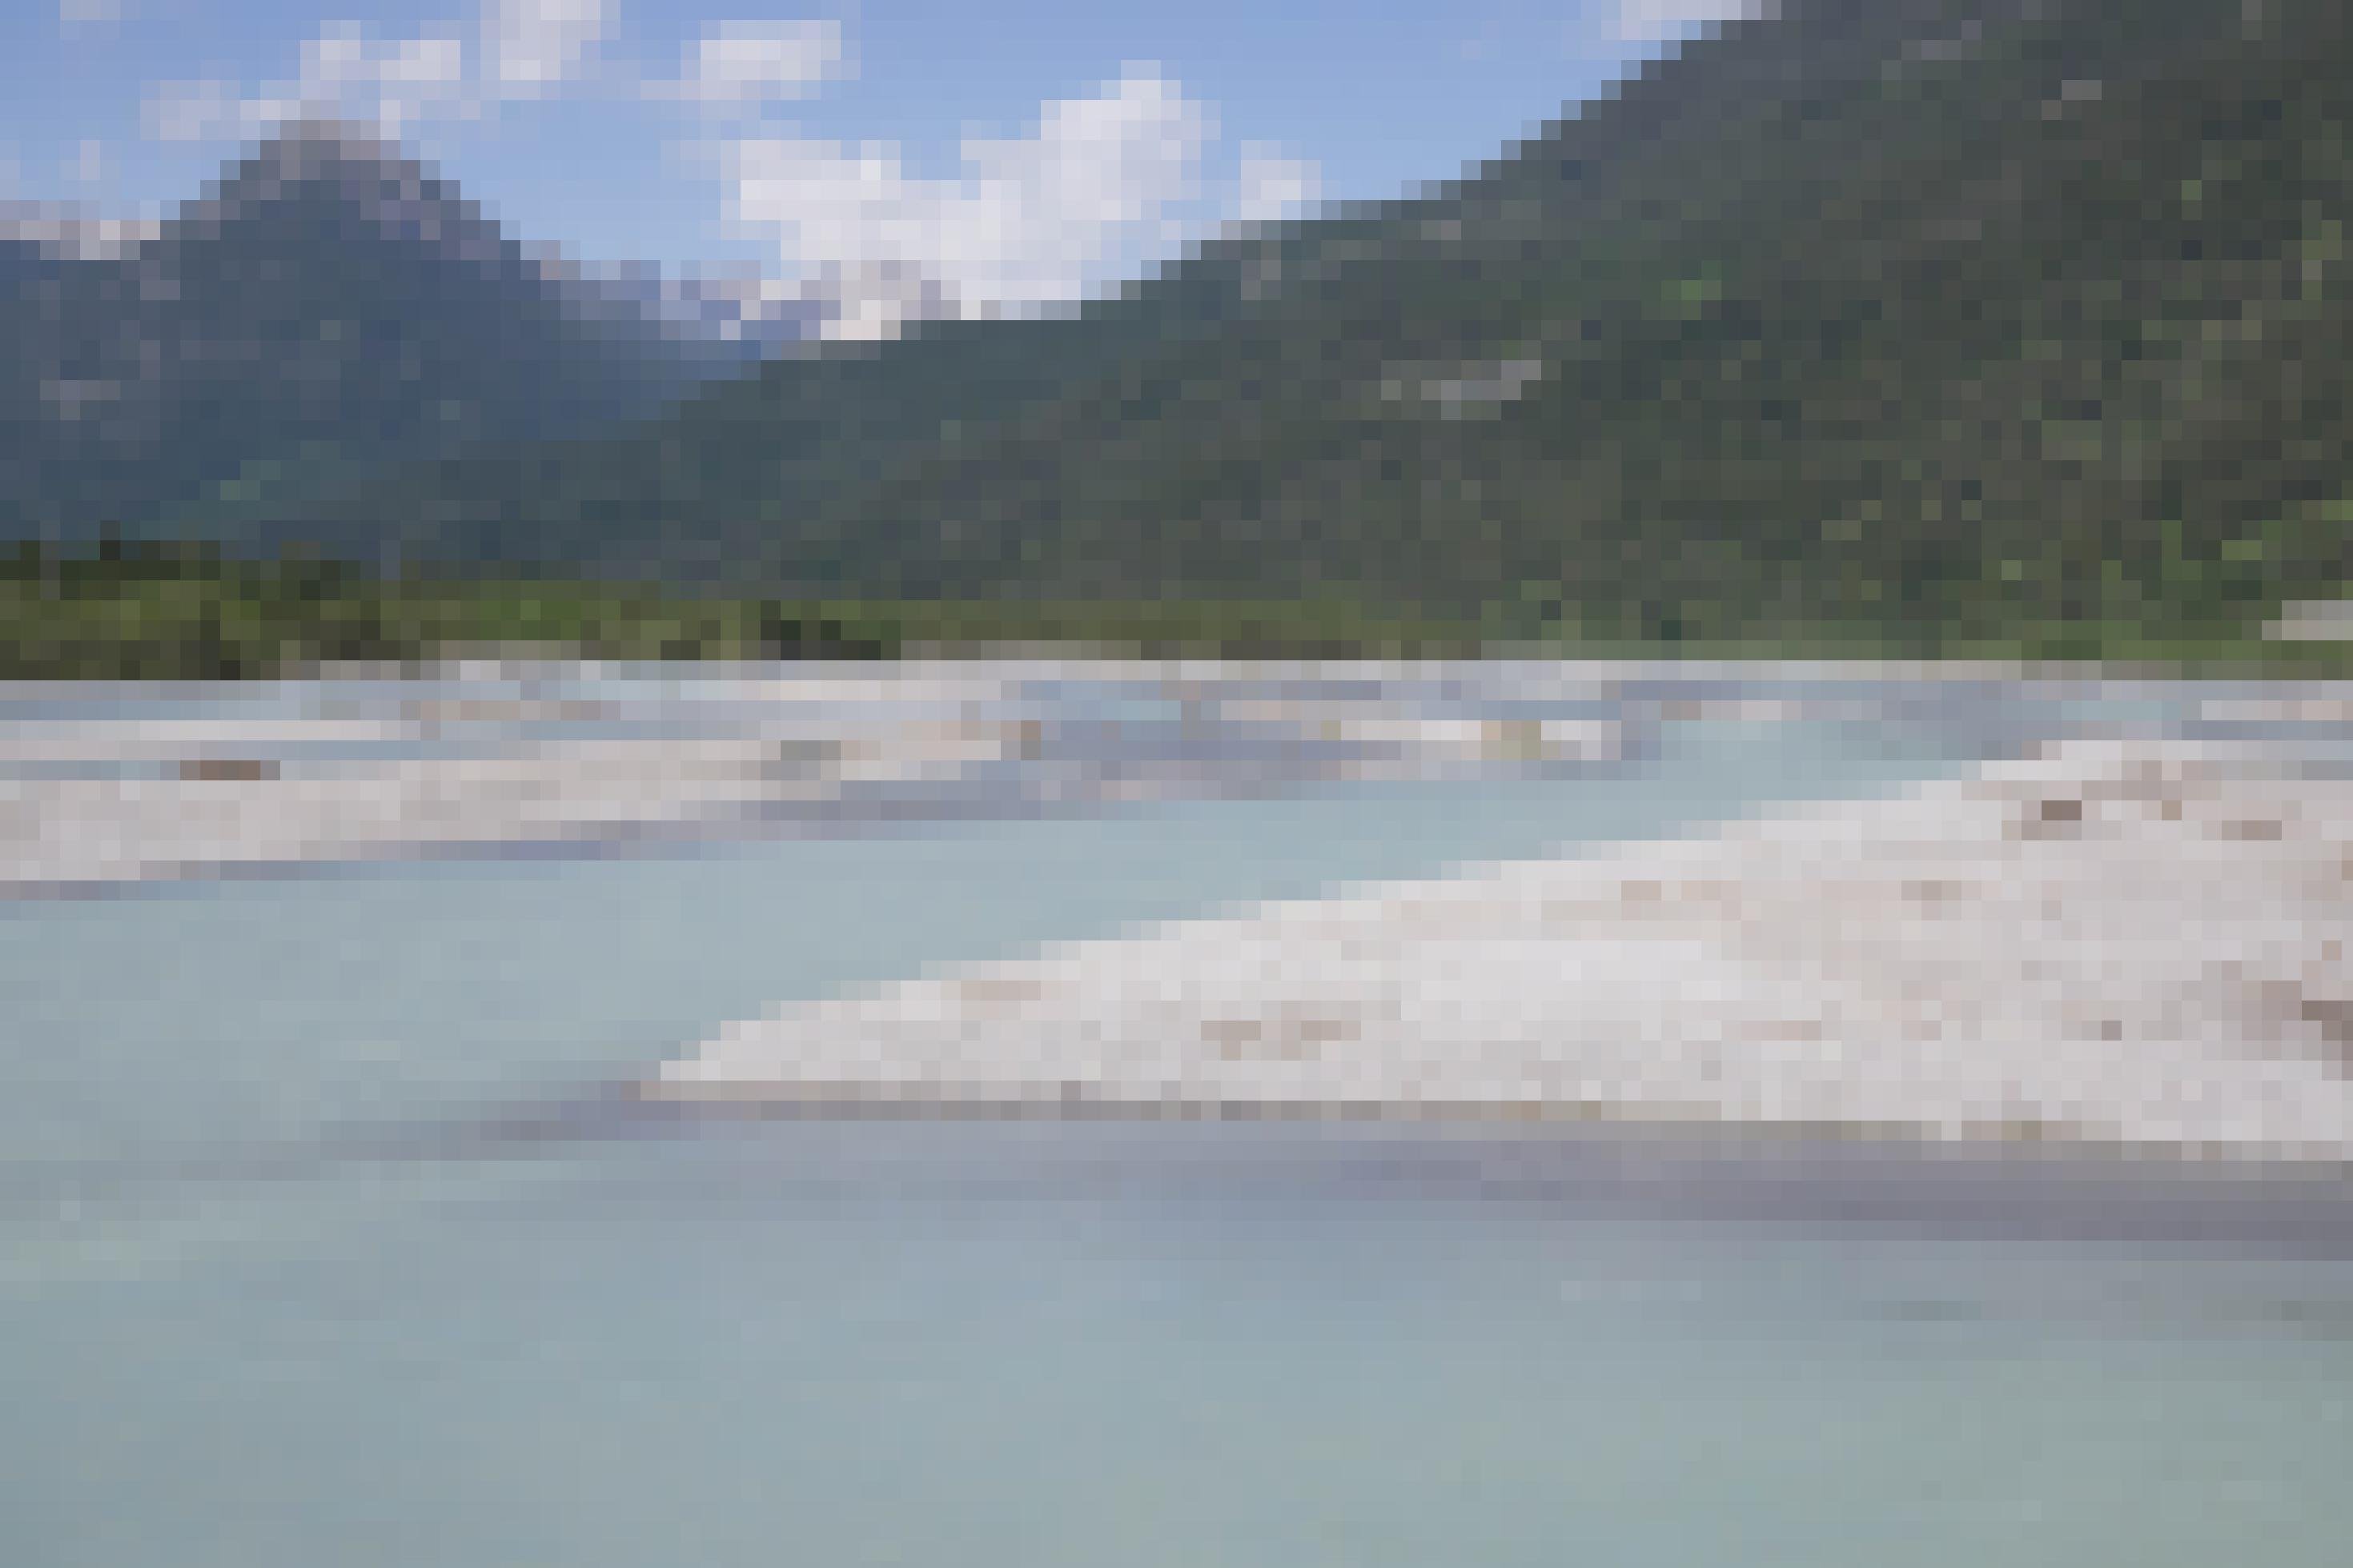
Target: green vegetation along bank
x,y
139,610
1914,323
145,610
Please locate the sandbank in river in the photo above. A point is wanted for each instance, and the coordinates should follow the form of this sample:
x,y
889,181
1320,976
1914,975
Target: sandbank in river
x,y
2132,945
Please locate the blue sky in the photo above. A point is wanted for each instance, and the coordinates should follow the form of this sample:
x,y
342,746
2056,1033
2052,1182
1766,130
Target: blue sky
x,y
1015,149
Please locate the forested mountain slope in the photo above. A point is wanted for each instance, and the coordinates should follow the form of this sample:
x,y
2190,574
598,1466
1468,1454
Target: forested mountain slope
x,y
328,307
1898,314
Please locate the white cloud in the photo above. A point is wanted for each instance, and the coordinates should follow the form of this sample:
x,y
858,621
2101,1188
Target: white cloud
x,y
520,49
1658,21
1273,187
1100,186
396,82
745,65
1036,219
533,45
207,109
88,164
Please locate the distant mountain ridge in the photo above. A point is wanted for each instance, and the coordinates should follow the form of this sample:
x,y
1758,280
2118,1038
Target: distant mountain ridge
x,y
328,307
1926,316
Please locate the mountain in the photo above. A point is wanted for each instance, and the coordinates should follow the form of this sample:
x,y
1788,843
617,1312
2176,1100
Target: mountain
x,y
329,307
733,317
1929,317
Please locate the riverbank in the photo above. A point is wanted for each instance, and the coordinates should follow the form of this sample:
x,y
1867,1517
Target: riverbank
x,y
127,609
109,784
2133,944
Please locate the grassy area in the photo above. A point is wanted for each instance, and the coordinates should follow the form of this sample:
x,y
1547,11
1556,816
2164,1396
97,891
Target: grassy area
x,y
142,611
146,611
2114,648
176,612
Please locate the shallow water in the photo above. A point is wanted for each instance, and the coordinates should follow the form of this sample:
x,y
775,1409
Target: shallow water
x,y
941,1343
183,1017
319,1245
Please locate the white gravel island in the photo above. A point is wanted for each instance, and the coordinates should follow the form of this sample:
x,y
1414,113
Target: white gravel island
x,y
2132,944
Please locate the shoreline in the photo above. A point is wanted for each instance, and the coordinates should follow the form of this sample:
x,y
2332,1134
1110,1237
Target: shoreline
x,y
1729,1173
2131,946
531,760
110,786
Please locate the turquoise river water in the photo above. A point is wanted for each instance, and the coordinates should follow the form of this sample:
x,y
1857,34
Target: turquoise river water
x,y
320,1244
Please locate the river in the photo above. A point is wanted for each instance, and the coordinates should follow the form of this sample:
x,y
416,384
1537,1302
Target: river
x,y
324,1240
